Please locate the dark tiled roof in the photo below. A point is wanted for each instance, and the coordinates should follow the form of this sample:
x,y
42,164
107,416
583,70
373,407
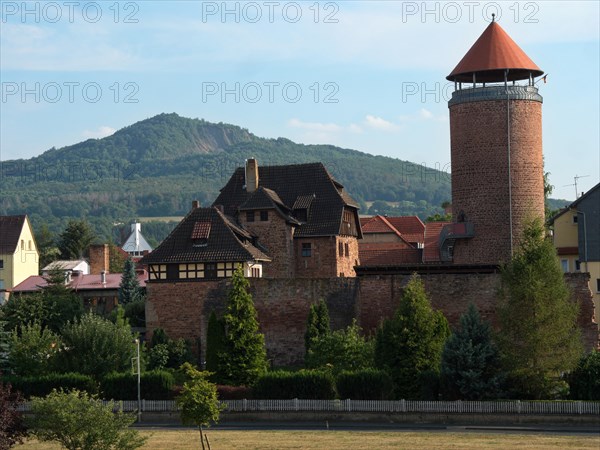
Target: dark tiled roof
x,y
10,230
201,230
227,241
289,183
303,201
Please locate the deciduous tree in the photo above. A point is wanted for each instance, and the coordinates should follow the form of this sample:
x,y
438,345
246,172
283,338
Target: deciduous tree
x,y
341,350
12,428
79,421
198,400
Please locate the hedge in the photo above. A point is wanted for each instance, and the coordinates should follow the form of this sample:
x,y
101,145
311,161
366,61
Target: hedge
x,y
155,385
366,384
305,384
40,386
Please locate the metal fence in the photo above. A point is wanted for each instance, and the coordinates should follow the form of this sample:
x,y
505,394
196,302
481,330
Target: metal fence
x,y
379,406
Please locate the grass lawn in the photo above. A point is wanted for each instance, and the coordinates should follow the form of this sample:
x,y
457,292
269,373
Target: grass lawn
x,y
346,440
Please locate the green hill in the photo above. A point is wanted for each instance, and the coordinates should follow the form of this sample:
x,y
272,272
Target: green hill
x,y
156,167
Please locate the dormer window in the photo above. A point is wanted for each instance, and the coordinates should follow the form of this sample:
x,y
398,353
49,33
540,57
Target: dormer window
x,y
200,234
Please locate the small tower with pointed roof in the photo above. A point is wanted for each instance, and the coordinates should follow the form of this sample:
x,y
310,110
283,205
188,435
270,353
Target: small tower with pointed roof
x,y
496,146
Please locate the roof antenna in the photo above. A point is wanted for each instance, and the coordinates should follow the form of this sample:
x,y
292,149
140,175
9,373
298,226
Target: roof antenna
x,y
493,17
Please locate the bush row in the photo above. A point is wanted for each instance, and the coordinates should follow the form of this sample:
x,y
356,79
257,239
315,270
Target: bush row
x,y
156,385
366,384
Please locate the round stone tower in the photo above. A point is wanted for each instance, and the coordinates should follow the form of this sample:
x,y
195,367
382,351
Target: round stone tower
x,y
496,146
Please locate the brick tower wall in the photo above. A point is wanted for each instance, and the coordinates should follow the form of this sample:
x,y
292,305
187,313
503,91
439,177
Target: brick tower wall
x,y
480,178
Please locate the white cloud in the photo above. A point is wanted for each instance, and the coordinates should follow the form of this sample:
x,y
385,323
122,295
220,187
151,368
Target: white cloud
x,y
100,133
380,124
315,126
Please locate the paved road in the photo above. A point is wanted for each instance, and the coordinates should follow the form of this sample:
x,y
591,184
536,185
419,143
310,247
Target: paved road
x,y
389,427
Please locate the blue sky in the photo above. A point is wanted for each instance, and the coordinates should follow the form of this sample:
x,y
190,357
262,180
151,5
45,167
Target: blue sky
x,y
366,75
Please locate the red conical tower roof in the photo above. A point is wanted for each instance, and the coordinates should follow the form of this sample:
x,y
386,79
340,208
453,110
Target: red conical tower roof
x,y
490,55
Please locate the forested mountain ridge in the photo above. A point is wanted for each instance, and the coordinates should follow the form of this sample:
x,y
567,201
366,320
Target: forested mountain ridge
x,y
156,167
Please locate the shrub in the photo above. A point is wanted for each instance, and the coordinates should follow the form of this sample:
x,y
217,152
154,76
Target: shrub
x,y
33,350
233,392
12,429
155,385
366,384
305,384
584,381
79,421
42,385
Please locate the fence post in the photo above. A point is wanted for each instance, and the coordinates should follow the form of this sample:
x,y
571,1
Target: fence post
x,y
296,407
143,405
518,406
403,405
579,407
245,405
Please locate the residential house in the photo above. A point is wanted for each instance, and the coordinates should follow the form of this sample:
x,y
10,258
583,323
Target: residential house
x,y
19,256
97,287
576,236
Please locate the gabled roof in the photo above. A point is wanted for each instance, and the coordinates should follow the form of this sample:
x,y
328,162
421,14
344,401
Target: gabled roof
x,y
409,228
10,230
490,55
593,191
290,182
226,241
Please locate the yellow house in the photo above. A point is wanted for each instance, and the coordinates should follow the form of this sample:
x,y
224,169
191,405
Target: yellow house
x,y
577,239
19,256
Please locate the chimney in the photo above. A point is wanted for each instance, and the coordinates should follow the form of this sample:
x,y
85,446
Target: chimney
x,y
251,175
195,204
99,259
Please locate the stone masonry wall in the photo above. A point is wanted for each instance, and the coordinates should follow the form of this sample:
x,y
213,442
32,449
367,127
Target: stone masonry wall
x,y
182,309
277,237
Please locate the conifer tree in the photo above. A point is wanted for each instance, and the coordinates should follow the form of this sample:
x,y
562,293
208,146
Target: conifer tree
x,y
245,356
75,240
539,337
409,345
129,289
215,341
317,324
471,361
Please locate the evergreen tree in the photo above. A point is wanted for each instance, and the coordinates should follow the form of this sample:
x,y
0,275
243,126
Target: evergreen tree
x,y
409,345
75,240
471,361
317,323
46,246
129,289
584,381
245,357
539,337
215,341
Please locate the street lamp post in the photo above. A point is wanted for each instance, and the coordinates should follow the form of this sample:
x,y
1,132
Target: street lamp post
x,y
139,380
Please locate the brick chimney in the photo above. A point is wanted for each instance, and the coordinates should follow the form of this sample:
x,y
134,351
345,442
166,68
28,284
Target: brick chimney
x,y
251,175
195,204
99,259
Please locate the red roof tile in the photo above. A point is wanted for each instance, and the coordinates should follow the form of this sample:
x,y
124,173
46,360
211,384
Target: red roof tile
x,y
431,252
80,282
411,228
490,55
388,256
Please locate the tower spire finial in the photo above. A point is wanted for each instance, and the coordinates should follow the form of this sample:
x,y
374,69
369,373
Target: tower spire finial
x,y
493,17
